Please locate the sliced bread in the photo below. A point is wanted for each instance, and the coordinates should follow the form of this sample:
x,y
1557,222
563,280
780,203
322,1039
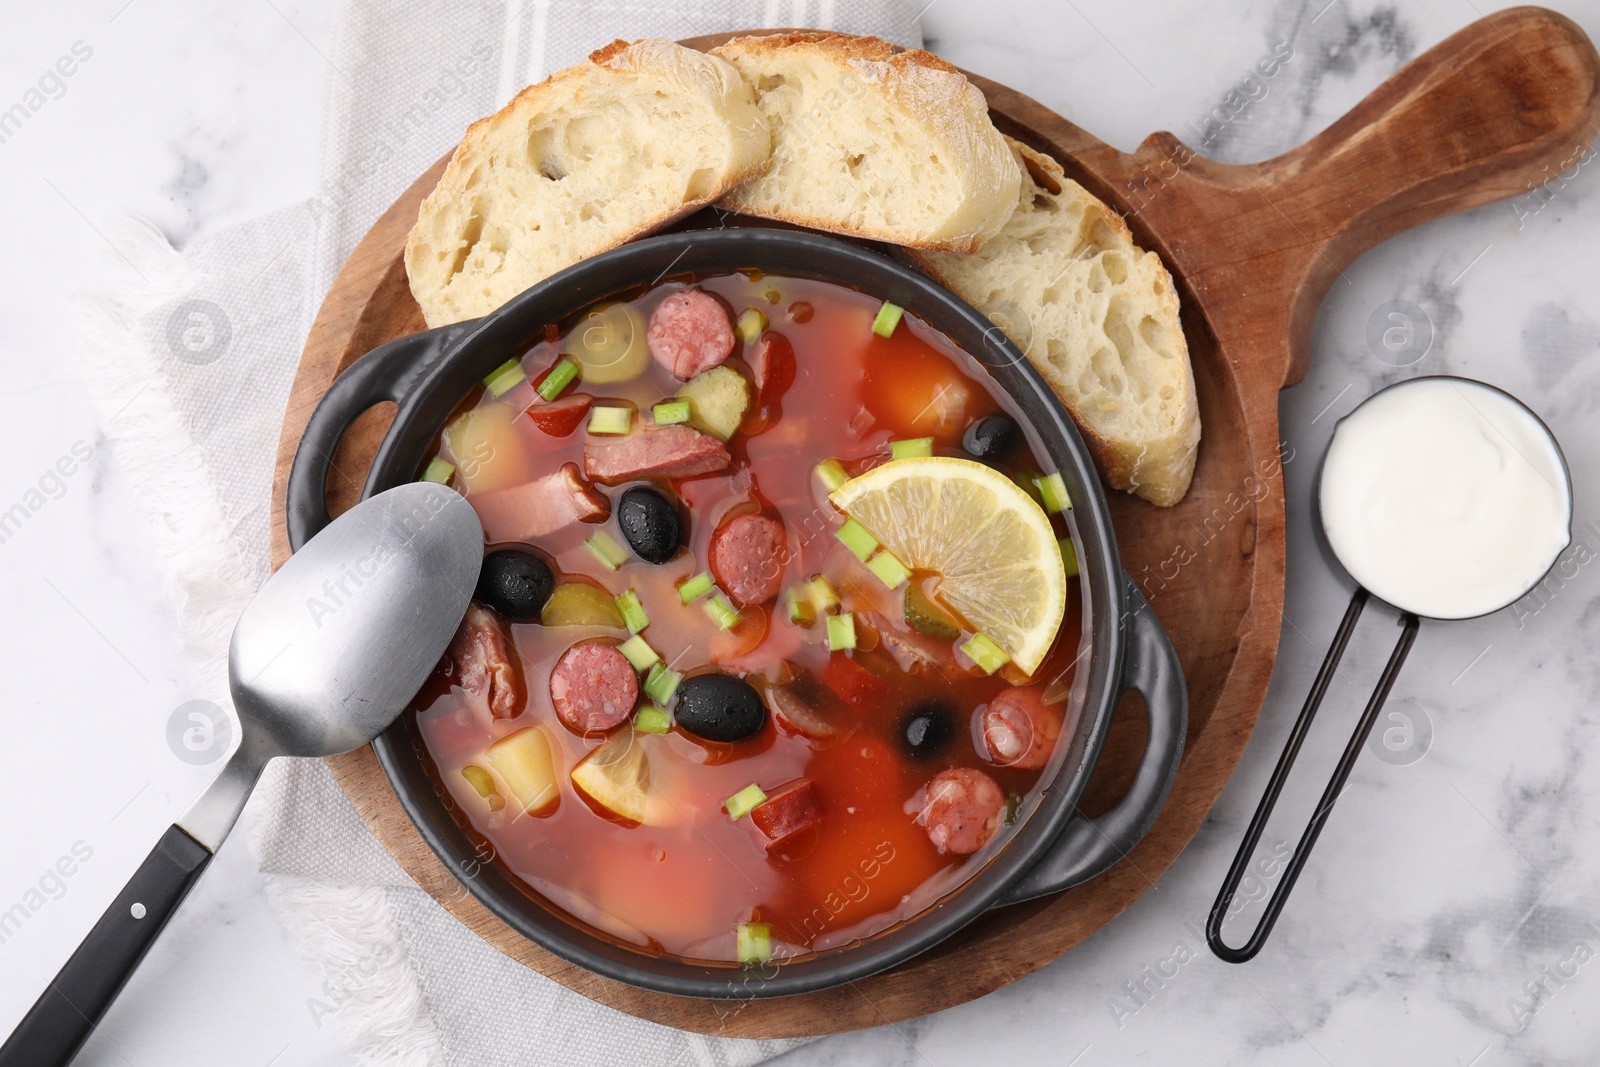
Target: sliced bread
x,y
1098,317
591,157
866,141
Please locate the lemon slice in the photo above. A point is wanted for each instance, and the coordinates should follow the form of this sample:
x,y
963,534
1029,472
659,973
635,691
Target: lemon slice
x,y
997,558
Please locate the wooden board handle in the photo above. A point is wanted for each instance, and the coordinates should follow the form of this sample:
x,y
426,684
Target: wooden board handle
x,y
1492,112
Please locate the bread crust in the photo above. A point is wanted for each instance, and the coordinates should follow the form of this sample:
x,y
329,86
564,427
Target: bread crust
x,y
936,95
1156,466
457,186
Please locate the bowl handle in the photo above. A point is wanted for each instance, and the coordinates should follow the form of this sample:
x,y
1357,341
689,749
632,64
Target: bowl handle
x,y
1089,847
388,372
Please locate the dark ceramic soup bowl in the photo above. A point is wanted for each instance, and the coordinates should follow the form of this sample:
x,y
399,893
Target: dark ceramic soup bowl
x,y
1052,846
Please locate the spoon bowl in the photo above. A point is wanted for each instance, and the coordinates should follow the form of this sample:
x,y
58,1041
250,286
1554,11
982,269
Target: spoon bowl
x,y
343,636
329,651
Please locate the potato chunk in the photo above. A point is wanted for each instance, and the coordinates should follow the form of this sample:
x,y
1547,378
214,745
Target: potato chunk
x,y
488,450
525,762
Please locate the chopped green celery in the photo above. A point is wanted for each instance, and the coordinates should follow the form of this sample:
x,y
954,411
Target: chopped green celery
x,y
754,942
1028,482
985,653
832,473
439,470
722,612
695,587
744,800
483,782
923,616
752,321
855,537
563,374
633,614
822,593
639,653
652,720
841,632
607,419
603,547
1053,493
661,683
887,319
801,609
890,571
916,446
1069,556
670,412
505,377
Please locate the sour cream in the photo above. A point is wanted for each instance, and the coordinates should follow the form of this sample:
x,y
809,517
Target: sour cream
x,y
1445,497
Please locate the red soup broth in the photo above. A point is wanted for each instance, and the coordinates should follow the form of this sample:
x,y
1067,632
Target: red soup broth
x,y
683,886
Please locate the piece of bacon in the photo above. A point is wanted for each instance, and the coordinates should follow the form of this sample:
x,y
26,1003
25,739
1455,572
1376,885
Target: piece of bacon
x,y
541,507
652,451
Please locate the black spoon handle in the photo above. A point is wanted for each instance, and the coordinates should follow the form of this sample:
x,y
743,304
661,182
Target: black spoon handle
x,y
66,1013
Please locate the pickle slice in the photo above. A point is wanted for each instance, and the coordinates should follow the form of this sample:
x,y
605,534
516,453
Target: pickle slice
x,y
580,604
924,617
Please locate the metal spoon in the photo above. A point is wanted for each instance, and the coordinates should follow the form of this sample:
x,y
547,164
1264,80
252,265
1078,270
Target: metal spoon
x,y
328,652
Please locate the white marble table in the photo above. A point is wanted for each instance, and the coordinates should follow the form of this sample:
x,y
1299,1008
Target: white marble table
x,y
1452,911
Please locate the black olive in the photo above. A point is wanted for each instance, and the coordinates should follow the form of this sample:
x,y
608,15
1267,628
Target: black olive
x,y
991,438
719,707
928,728
650,523
515,583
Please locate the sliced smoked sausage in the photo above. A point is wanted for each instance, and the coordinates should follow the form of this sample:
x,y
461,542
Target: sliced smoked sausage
x,y
486,664
747,557
1020,729
594,688
962,810
689,333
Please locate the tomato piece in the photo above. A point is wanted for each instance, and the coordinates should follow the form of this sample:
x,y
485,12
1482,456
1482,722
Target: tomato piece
x,y
786,812
851,682
917,392
560,417
773,366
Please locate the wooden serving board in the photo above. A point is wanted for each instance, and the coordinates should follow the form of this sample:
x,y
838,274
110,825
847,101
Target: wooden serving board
x,y
1252,249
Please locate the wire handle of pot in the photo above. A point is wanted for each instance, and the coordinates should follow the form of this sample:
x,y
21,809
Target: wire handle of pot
x,y
1280,774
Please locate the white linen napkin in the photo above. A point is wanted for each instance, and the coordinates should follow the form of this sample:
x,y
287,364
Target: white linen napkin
x,y
195,356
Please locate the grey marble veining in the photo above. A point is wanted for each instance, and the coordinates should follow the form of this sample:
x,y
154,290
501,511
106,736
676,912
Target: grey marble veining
x,y
1451,914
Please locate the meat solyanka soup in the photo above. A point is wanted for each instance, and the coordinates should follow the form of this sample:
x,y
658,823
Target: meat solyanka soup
x,y
778,628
